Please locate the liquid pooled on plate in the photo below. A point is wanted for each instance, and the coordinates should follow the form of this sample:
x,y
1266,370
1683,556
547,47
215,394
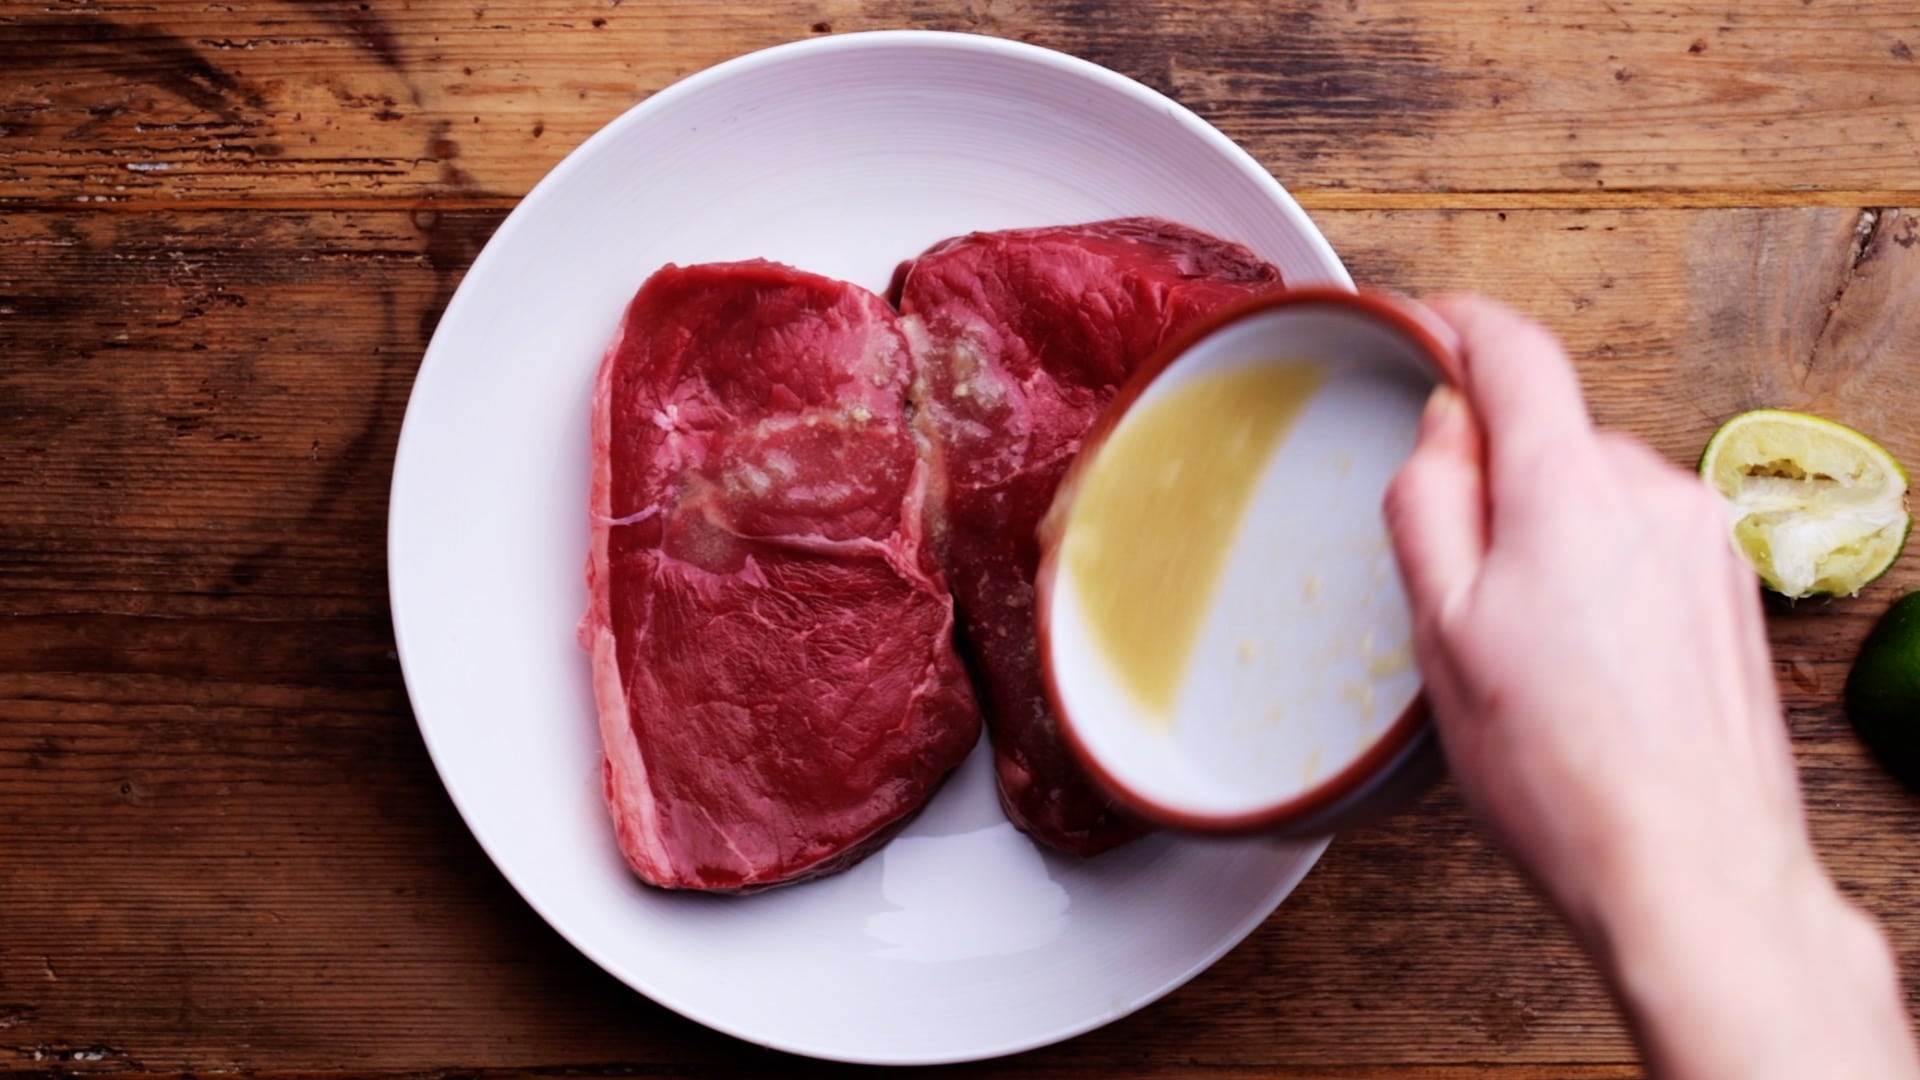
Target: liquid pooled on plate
x,y
1155,517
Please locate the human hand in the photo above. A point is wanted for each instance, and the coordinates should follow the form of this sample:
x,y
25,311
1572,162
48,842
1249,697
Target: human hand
x,y
1596,658
1592,645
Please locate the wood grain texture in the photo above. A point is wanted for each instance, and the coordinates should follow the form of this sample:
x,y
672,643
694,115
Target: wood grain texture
x,y
222,845
227,230
246,101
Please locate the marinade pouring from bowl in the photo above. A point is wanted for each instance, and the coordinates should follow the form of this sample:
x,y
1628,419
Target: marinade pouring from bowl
x,y
1210,765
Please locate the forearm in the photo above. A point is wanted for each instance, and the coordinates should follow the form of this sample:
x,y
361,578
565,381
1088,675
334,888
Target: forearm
x,y
1776,975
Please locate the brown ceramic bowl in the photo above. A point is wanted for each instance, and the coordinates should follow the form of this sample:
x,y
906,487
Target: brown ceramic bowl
x,y
1299,709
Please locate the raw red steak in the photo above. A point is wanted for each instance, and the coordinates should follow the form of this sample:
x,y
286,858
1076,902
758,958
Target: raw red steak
x,y
772,641
1028,334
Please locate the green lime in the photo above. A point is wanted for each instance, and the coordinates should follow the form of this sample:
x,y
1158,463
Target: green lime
x,y
1817,507
1883,690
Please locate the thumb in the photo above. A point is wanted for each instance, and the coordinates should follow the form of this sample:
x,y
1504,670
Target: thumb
x,y
1436,508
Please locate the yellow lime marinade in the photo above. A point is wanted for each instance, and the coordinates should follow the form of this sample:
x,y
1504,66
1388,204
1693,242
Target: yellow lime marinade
x,y
1154,519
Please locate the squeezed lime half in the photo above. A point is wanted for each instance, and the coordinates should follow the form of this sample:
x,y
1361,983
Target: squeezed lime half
x,y
1817,507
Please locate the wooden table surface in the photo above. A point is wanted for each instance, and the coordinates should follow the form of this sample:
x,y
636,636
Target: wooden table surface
x,y
227,228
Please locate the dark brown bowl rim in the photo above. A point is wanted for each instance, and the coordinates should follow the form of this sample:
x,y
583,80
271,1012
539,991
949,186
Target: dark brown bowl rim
x,y
1366,769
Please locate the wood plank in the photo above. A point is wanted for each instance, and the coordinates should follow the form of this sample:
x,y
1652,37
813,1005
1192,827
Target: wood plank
x,y
264,100
224,847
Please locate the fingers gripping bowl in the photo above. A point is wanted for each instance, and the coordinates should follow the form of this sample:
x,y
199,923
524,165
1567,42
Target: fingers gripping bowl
x,y
1223,635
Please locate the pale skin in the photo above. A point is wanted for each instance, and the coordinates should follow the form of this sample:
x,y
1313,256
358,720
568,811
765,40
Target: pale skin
x,y
1597,661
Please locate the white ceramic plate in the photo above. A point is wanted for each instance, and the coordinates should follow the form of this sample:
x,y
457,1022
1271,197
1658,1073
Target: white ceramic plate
x,y
843,156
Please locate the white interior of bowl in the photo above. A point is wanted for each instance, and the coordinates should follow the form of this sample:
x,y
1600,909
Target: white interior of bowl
x,y
841,155
1303,657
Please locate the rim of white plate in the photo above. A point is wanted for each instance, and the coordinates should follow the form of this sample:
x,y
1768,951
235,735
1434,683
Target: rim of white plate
x,y
432,361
